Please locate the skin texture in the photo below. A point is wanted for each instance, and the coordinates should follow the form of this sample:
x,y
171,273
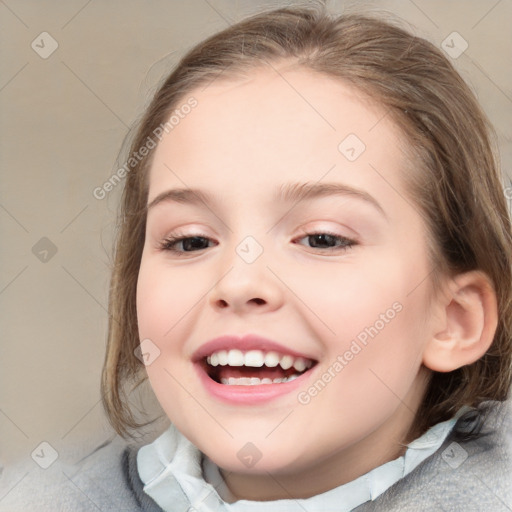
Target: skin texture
x,y
244,139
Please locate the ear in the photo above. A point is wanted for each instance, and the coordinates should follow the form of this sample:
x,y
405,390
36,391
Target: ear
x,y
469,319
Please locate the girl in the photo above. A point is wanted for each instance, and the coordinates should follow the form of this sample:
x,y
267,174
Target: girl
x,y
314,270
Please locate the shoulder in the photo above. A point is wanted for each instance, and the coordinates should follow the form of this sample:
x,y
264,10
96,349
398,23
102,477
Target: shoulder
x,y
98,481
463,475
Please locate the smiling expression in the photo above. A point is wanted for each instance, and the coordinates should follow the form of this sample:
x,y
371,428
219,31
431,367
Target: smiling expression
x,y
277,211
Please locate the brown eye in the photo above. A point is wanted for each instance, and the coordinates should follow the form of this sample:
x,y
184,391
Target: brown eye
x,y
188,244
328,241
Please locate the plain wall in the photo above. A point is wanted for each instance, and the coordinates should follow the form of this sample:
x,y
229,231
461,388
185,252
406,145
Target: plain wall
x,y
63,119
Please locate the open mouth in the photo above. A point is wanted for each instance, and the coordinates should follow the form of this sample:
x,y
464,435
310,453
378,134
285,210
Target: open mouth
x,y
254,367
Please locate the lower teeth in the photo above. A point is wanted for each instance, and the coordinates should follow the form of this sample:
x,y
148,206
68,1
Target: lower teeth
x,y
255,381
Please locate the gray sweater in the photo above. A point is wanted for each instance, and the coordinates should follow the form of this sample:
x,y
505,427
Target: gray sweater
x,y
463,475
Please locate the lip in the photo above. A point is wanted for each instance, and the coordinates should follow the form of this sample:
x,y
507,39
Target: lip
x,y
249,395
244,343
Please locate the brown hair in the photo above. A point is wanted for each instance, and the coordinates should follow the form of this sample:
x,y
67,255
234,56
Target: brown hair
x,y
453,179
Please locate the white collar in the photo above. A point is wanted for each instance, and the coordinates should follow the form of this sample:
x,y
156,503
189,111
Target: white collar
x,y
171,467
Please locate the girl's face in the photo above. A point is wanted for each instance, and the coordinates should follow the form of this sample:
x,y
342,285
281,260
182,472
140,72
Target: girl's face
x,y
297,229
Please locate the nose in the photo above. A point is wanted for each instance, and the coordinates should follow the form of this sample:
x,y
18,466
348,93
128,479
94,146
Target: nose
x,y
246,287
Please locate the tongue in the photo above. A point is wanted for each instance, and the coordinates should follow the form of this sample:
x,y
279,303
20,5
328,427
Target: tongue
x,y
225,372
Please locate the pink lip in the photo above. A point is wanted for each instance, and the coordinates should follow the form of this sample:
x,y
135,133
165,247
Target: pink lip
x,y
248,395
244,343
245,394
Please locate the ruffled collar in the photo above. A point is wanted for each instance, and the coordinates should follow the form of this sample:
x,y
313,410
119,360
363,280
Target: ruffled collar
x,y
171,467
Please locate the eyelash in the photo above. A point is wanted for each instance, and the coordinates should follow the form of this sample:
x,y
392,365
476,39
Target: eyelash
x,y
168,243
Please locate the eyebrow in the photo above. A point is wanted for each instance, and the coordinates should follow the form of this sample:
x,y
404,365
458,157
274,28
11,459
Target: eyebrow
x,y
288,192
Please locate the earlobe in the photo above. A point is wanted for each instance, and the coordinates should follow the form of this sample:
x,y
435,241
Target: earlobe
x,y
470,320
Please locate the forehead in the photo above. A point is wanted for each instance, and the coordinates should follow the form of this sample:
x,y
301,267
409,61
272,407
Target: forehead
x,y
278,123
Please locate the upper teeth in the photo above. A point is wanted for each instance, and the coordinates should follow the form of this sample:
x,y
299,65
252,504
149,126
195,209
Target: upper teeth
x,y
257,358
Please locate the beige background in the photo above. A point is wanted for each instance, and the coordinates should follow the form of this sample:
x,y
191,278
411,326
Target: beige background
x,y
63,121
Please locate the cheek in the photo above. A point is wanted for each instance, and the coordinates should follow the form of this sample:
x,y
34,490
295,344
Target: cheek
x,y
381,361
344,300
164,296
164,299
374,330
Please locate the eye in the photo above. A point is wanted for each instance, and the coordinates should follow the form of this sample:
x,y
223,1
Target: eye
x,y
328,241
188,244
181,245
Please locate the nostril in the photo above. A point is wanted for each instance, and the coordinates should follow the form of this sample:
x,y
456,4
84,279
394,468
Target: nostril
x,y
259,301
